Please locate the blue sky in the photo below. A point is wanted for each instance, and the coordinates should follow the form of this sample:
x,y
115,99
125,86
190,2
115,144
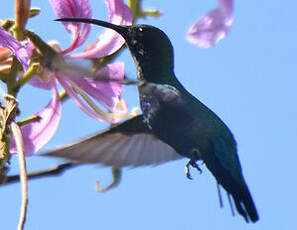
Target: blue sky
x,y
248,79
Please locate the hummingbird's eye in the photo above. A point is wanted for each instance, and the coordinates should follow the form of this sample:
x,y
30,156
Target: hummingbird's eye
x,y
140,29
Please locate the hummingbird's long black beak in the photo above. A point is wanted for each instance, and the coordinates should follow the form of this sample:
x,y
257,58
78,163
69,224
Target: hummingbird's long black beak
x,y
122,30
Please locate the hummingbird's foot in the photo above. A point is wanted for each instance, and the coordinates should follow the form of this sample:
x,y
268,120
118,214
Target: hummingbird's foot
x,y
194,165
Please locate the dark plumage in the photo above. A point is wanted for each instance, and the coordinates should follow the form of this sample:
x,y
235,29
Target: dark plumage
x,y
174,123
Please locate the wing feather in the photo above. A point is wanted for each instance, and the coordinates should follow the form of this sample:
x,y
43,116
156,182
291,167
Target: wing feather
x,y
128,144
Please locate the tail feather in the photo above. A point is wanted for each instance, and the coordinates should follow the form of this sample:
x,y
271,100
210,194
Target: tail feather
x,y
241,210
225,166
243,201
245,205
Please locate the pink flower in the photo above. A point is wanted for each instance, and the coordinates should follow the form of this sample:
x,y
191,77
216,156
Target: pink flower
x,y
37,134
72,9
213,26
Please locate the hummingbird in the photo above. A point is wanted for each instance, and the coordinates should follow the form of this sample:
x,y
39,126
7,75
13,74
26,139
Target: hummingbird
x,y
173,123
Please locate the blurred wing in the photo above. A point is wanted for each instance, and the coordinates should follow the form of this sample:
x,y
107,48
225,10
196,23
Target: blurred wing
x,y
128,144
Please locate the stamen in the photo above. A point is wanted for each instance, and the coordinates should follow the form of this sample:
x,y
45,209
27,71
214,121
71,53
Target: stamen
x,y
95,108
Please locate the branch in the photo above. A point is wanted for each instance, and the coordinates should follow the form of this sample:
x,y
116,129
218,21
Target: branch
x,y
53,171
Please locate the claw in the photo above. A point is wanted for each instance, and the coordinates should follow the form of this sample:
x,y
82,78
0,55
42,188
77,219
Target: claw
x,y
188,171
194,165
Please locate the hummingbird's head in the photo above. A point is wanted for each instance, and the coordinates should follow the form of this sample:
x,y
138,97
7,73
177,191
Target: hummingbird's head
x,y
150,47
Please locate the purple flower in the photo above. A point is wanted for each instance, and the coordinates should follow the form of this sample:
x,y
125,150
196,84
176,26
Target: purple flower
x,y
17,48
213,26
108,94
72,9
37,134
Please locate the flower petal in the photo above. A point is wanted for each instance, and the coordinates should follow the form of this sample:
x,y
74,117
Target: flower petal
x,y
37,134
213,26
61,78
37,82
110,41
17,48
106,93
74,9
